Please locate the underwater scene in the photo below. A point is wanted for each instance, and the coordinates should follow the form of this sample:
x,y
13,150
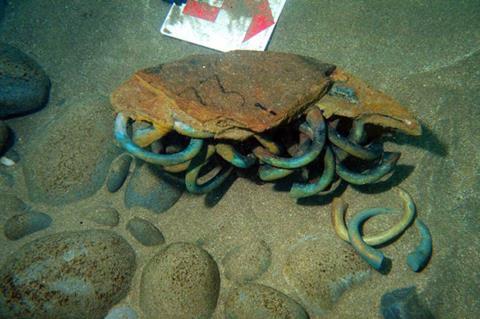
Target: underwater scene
x,y
326,164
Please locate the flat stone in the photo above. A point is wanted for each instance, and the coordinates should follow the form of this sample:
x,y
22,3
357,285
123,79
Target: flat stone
x,y
21,225
71,158
145,232
181,282
118,172
248,261
103,215
148,188
24,86
254,301
403,304
320,276
67,275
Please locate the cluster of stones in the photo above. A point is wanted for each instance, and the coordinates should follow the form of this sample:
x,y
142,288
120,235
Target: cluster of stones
x,y
86,273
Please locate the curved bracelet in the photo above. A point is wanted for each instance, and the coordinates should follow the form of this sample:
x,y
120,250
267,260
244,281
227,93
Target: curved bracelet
x,y
339,208
126,142
418,259
372,256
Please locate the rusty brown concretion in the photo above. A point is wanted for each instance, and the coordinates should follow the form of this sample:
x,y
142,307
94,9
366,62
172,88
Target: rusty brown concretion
x,y
240,93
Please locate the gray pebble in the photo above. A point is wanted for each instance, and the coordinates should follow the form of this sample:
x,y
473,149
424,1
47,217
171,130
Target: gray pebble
x,y
118,172
24,86
148,188
21,225
145,232
67,275
103,215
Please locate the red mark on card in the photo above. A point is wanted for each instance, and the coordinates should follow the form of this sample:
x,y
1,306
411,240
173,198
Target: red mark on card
x,y
261,20
201,10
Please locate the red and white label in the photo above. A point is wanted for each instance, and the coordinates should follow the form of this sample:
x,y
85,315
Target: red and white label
x,y
224,24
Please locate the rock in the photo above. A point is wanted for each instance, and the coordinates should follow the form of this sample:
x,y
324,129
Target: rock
x,y
71,158
148,188
145,232
118,172
403,304
3,136
122,313
320,275
181,282
254,301
21,225
67,275
24,86
247,261
105,216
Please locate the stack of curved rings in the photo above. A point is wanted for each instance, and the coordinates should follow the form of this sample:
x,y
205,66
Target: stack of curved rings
x,y
318,140
416,260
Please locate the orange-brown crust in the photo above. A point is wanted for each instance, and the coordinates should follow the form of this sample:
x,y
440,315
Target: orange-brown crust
x,y
373,106
232,95
240,93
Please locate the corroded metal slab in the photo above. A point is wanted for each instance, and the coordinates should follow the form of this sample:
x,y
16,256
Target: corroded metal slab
x,y
236,91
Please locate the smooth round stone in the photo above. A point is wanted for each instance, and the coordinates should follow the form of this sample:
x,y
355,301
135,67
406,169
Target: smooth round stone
x,y
150,189
71,158
21,225
3,136
254,301
24,86
118,172
67,275
103,215
145,232
181,282
248,261
320,275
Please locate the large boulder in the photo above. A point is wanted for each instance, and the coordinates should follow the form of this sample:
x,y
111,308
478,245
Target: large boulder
x,y
67,275
24,86
70,159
